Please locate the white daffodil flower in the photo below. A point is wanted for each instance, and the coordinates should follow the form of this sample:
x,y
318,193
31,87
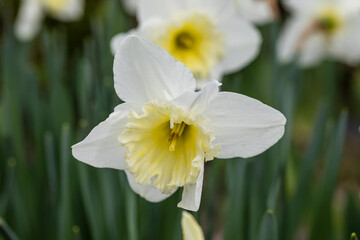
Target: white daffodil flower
x,y
208,36
257,11
319,29
190,228
165,131
32,12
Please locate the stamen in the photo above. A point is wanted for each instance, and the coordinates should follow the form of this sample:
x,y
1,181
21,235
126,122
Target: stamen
x,y
175,134
184,40
328,24
329,20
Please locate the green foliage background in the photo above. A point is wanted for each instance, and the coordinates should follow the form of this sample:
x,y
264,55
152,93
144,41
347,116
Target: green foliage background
x,y
54,90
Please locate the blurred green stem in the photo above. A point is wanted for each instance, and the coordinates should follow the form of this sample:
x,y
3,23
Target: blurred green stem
x,y
131,214
6,231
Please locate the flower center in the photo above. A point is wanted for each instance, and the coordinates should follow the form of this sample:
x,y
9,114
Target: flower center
x,y
175,134
195,41
329,21
54,5
165,147
184,40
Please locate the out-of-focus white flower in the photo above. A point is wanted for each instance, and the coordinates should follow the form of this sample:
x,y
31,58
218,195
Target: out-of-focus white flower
x,y
32,12
165,131
321,28
190,228
257,11
208,36
130,6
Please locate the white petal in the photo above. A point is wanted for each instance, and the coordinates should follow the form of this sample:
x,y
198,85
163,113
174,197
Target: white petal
x,y
190,228
289,38
255,11
219,10
131,6
243,127
72,10
144,71
292,5
243,42
349,7
101,147
191,196
198,102
303,5
28,21
117,40
148,192
345,45
216,72
313,51
168,8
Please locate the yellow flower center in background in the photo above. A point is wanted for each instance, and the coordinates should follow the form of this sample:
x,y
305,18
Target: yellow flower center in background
x,y
165,147
195,41
54,5
329,20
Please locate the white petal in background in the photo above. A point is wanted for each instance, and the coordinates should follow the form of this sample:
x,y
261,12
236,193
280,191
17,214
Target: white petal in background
x,y
243,43
349,7
32,12
29,19
73,10
166,9
303,5
256,11
148,30
289,38
345,46
131,6
243,127
144,71
313,51
159,9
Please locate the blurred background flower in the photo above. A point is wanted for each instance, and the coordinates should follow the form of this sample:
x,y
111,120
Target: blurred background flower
x,y
209,37
32,12
258,11
320,29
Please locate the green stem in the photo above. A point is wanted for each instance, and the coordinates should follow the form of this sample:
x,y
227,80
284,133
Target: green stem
x,y
6,231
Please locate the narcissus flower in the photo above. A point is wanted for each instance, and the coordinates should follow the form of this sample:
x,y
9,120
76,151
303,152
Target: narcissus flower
x,y
190,228
208,36
32,12
258,11
165,131
319,29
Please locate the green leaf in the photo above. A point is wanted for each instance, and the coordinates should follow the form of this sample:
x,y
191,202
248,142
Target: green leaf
x,y
6,231
64,214
269,227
